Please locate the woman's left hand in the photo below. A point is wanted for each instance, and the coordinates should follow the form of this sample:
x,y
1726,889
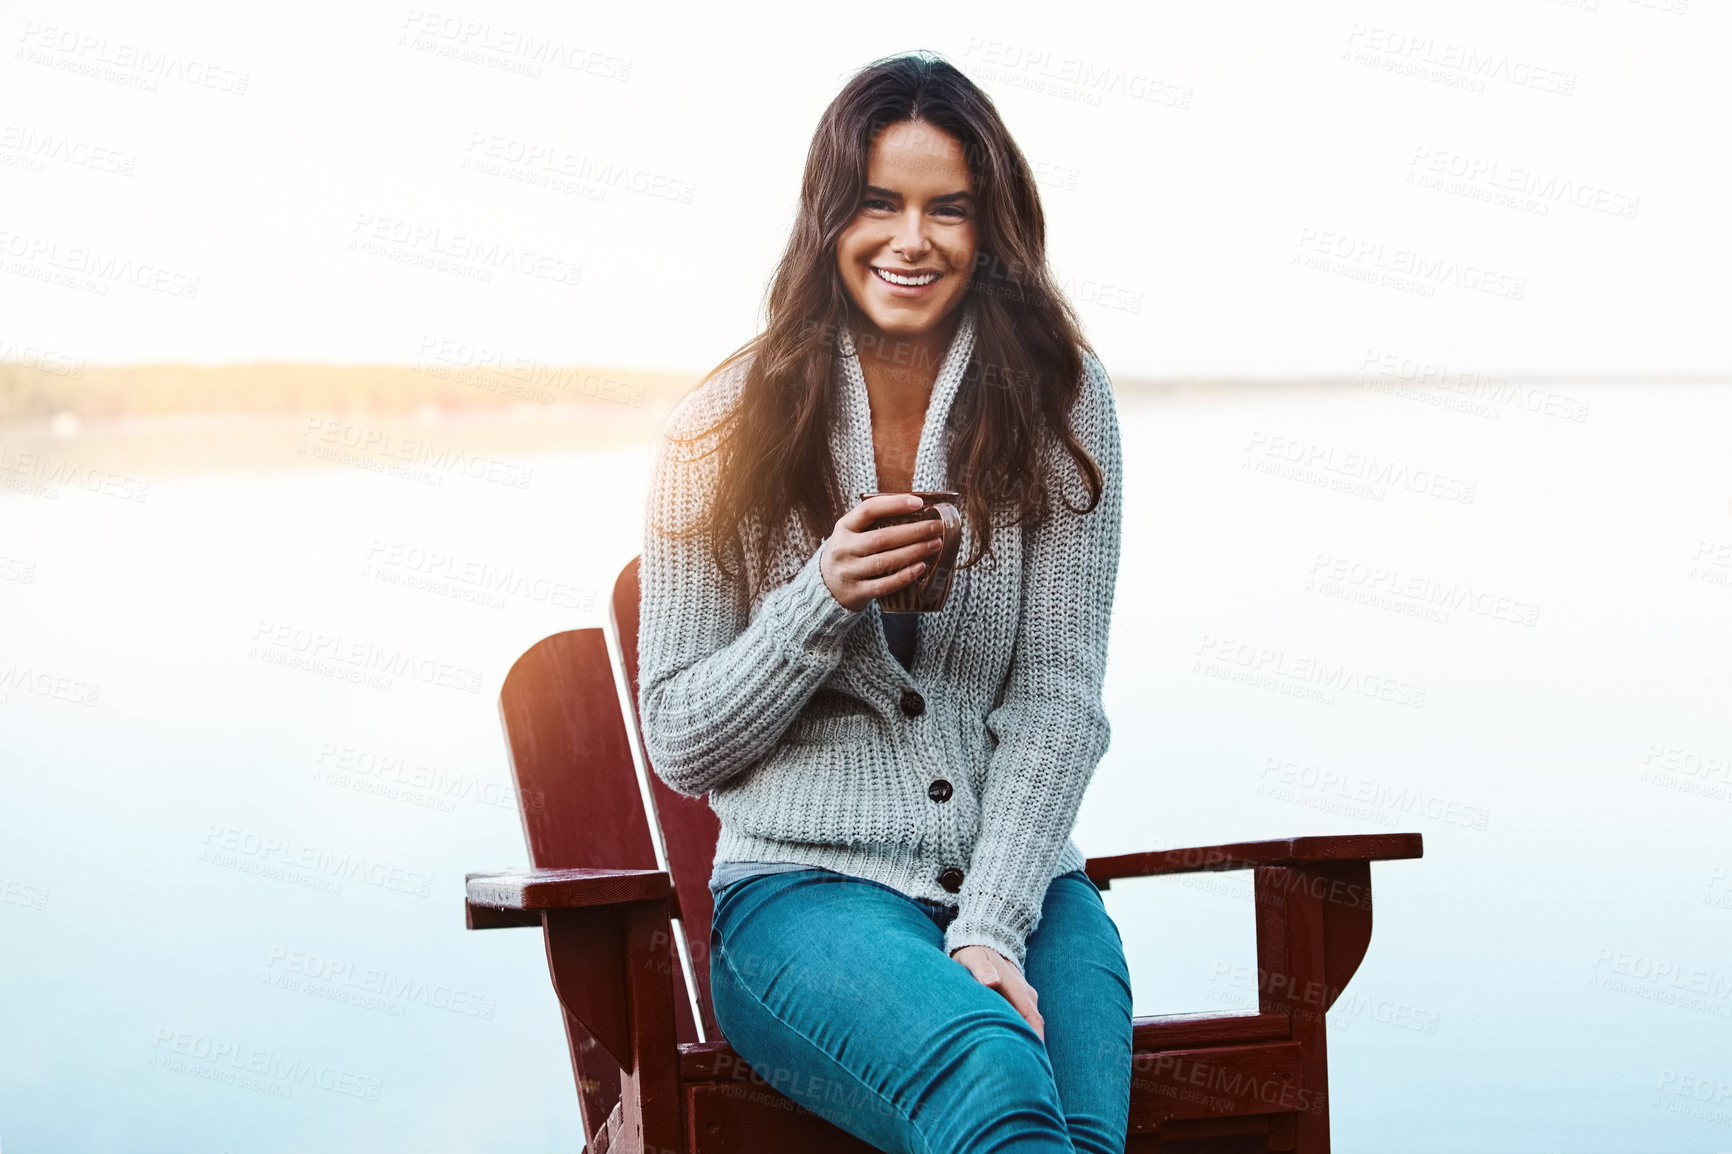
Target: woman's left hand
x,y
995,971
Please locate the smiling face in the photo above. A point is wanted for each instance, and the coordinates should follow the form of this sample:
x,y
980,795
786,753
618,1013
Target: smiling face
x,y
906,257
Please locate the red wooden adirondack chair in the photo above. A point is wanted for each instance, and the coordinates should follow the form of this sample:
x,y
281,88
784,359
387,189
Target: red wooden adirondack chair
x,y
648,1083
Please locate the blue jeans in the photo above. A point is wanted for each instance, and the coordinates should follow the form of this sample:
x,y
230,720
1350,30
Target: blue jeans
x,y
838,992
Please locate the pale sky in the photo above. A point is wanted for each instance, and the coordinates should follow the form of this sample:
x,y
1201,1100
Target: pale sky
x,y
1232,188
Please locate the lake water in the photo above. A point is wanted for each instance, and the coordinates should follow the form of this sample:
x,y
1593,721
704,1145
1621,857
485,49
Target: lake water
x,y
1504,623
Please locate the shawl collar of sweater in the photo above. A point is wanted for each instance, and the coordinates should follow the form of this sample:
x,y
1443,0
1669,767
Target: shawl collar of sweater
x,y
851,435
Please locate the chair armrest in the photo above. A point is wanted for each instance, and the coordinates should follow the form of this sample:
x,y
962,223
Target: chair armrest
x,y
1250,854
609,949
517,897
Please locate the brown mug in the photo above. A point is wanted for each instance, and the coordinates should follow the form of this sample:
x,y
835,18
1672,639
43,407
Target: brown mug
x,y
927,592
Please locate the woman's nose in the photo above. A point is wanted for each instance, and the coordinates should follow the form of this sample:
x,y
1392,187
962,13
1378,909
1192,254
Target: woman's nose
x,y
910,240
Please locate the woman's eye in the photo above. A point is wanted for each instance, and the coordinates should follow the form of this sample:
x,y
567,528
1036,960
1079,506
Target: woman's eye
x,y
875,203
956,209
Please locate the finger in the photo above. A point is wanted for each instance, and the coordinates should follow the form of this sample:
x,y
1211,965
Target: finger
x,y
984,971
1020,995
891,560
874,566
879,586
888,537
1024,1005
881,563
860,517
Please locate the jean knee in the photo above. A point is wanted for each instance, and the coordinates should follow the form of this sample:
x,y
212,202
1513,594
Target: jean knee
x,y
996,1087
1007,1058
1010,1048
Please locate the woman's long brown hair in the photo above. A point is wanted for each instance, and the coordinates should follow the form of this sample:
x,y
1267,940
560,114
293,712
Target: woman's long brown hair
x,y
1020,384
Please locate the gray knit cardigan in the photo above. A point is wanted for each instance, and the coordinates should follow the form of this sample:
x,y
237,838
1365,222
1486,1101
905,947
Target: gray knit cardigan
x,y
787,712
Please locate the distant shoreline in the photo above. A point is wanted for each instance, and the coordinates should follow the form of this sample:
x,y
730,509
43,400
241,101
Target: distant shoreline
x,y
94,392
37,393
397,418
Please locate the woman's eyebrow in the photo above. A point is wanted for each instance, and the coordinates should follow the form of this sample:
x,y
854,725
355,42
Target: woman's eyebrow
x,y
875,190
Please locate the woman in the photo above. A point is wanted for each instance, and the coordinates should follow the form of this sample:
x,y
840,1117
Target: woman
x,y
895,882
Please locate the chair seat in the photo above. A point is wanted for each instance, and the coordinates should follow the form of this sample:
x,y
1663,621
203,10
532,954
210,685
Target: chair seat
x,y
1196,1075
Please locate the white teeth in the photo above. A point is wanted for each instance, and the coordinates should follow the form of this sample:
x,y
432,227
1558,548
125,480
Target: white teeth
x,y
911,281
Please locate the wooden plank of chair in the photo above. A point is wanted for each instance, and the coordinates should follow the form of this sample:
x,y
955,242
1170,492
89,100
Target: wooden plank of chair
x,y
712,1061
1199,1093
1218,1082
607,1138
738,1118
578,798
535,890
689,826
1308,948
1249,854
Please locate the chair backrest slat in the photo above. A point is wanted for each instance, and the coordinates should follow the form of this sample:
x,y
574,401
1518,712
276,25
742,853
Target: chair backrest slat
x,y
689,826
578,795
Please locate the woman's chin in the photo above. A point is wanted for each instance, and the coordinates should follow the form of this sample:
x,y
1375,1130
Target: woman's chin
x,y
905,318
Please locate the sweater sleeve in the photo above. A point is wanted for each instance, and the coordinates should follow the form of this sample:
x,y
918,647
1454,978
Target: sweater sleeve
x,y
717,690
1050,725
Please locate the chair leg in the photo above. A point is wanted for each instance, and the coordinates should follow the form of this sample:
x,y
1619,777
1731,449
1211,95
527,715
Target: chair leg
x,y
606,1138
611,973
652,1121
1292,979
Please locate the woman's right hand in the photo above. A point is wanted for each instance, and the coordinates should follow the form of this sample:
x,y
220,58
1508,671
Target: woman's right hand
x,y
997,972
861,563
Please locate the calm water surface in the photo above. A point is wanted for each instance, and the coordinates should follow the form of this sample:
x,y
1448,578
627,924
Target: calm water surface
x,y
232,879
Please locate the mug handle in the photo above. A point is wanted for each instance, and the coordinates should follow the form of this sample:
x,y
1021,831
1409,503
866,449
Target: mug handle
x,y
936,580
